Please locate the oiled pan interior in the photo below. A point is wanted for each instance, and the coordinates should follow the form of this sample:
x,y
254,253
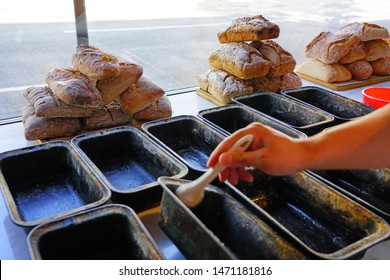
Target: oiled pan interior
x,y
311,217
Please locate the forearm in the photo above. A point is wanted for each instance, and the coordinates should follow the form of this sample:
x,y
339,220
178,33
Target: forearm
x,y
358,144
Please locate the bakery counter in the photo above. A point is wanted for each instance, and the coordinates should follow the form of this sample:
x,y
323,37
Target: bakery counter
x,y
13,242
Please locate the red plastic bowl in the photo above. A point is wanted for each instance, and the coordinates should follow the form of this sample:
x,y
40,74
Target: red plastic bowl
x,y
376,96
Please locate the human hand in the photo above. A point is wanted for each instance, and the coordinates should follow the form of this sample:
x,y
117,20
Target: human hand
x,y
270,151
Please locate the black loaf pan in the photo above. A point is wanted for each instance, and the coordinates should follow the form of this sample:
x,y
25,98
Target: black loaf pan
x,y
187,137
324,222
129,163
370,188
219,228
232,117
48,181
342,108
111,232
302,117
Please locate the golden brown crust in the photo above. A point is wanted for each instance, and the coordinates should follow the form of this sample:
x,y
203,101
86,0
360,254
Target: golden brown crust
x,y
240,59
36,128
73,88
325,72
249,29
266,84
111,88
355,54
330,47
360,70
95,63
107,116
222,85
365,31
157,110
290,81
47,105
381,66
282,62
140,95
376,49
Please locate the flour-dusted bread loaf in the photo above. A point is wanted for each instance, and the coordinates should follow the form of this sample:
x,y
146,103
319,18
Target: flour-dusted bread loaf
x,y
47,105
355,54
376,49
360,70
240,59
73,87
282,62
329,47
381,66
253,28
159,109
38,128
365,31
95,63
140,95
325,72
265,84
222,85
290,81
107,116
111,88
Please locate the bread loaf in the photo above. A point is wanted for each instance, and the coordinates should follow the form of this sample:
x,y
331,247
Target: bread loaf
x,y
249,29
222,85
73,88
365,31
376,49
360,70
355,54
290,81
325,72
282,62
111,88
329,47
49,106
107,116
95,63
381,66
266,84
140,95
159,109
36,128
240,59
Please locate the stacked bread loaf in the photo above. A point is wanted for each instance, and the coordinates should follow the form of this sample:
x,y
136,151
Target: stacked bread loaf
x,y
248,60
356,51
102,91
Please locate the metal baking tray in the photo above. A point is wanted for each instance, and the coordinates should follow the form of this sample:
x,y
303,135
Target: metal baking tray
x,y
129,163
294,114
219,228
187,137
230,118
323,221
370,188
111,232
340,107
46,182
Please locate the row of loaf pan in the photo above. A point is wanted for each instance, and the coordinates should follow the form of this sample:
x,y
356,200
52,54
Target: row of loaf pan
x,y
185,143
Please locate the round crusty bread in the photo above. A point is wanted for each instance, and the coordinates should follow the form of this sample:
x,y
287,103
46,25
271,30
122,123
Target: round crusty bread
x,y
376,49
381,66
360,70
355,54
159,109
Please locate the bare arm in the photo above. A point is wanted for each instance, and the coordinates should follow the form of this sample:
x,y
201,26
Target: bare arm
x,y
358,144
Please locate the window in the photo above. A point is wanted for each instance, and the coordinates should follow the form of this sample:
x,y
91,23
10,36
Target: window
x,y
170,39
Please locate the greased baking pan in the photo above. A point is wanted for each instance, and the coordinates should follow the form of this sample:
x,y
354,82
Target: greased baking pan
x,y
327,224
370,188
305,118
129,163
111,232
219,228
187,137
342,108
46,182
232,117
